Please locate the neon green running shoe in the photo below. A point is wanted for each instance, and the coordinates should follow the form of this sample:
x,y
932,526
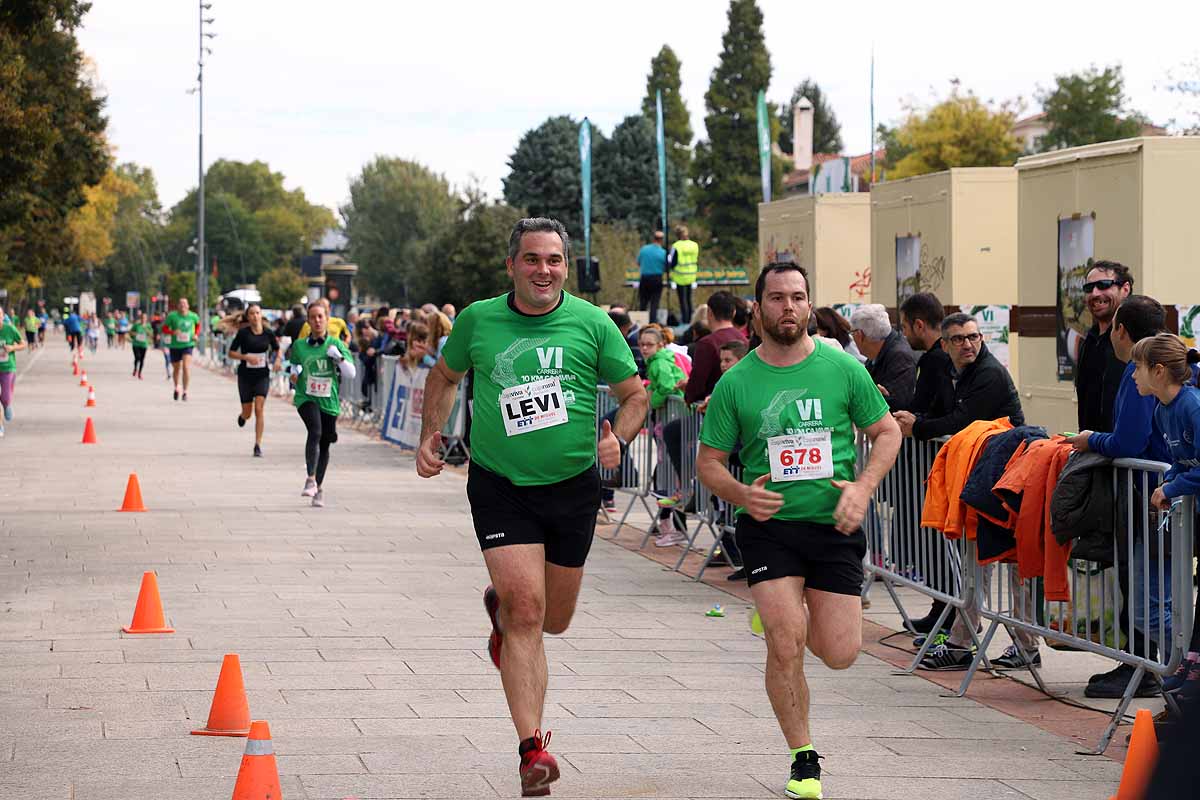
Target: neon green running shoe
x,y
805,783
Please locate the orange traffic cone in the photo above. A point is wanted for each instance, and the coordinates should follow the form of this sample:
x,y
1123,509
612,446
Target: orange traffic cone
x,y
83,378
75,366
1139,759
133,495
148,613
230,711
89,432
91,401
258,777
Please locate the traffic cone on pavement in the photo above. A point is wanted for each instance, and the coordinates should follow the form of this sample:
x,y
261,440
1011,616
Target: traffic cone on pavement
x,y
133,495
258,777
75,366
83,378
89,432
230,711
1139,759
148,613
91,401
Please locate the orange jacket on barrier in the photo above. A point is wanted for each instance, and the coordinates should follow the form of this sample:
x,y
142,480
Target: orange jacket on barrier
x,y
943,509
1032,474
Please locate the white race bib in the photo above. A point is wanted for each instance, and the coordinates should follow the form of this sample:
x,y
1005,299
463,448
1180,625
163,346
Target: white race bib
x,y
801,457
318,387
183,336
533,406
139,337
256,360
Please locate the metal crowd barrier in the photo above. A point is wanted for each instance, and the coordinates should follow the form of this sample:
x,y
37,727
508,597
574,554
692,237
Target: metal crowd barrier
x,y
1158,555
632,477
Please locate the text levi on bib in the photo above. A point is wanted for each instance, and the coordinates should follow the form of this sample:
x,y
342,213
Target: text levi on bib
x,y
533,406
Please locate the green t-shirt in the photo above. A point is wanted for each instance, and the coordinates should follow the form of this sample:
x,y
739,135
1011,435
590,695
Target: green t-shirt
x,y
527,439
143,334
182,329
9,335
319,376
32,324
110,325
830,391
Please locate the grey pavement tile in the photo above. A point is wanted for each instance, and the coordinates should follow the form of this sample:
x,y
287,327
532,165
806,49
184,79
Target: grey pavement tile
x,y
226,767
906,788
1062,790
389,787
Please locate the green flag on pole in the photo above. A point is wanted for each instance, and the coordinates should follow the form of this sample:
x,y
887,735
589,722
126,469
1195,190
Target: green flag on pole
x,y
585,175
662,158
764,146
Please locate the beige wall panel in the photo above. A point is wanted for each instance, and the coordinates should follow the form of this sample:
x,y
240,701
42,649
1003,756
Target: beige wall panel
x,y
912,206
1171,220
842,242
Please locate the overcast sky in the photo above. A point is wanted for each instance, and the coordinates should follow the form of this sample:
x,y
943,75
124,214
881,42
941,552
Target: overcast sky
x,y
316,89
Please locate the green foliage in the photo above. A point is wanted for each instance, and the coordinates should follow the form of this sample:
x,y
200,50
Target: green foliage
x,y
281,287
827,131
725,169
887,139
677,122
616,246
960,131
396,209
183,284
1087,107
465,262
544,178
52,131
626,178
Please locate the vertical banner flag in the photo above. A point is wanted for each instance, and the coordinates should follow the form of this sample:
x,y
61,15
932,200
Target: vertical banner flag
x,y
662,159
585,167
764,145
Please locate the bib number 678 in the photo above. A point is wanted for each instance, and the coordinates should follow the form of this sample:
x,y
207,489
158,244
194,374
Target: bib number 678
x,y
798,456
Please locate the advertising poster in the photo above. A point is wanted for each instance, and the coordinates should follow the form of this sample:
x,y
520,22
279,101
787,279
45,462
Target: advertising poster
x,y
1076,248
908,267
1189,324
993,324
845,309
406,398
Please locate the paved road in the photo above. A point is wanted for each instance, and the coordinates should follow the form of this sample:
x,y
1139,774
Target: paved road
x,y
362,636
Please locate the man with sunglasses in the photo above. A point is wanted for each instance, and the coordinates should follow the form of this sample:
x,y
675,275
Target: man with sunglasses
x,y
983,389
1098,371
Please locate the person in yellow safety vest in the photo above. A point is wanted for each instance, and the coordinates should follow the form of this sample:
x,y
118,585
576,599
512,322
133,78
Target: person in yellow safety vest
x,y
682,263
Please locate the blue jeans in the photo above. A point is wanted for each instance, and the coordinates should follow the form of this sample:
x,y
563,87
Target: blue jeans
x,y
1146,619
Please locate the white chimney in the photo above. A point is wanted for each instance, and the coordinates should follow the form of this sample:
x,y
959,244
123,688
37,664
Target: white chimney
x,y
802,135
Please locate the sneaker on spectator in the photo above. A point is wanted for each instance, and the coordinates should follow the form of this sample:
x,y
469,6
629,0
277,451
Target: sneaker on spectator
x,y
944,658
1013,658
1174,682
1113,687
738,574
668,535
670,502
941,637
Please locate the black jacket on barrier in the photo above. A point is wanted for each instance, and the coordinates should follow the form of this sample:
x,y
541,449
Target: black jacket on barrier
x,y
895,369
1081,508
993,540
984,390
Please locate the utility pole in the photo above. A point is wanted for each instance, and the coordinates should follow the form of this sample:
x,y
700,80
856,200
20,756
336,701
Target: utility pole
x,y
201,266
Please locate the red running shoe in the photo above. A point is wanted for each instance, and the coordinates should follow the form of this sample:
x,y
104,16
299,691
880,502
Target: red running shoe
x,y
538,768
491,602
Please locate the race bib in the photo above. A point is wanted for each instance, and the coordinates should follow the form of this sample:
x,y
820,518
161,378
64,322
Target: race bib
x,y
139,337
166,338
257,361
802,457
318,387
533,406
183,336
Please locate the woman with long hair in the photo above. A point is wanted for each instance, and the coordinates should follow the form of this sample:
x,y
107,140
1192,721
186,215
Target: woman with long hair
x,y
257,348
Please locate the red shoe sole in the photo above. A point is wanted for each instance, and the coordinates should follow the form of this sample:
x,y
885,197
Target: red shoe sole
x,y
535,781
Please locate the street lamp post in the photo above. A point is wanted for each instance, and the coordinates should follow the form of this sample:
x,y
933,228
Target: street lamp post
x,y
201,271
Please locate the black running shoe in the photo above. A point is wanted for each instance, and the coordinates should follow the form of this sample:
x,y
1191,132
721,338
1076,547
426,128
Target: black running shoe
x,y
241,421
257,451
805,782
177,395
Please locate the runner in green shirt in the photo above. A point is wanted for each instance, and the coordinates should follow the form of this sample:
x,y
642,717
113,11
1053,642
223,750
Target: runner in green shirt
x,y
179,332
793,405
110,329
538,354
31,329
143,337
319,364
12,341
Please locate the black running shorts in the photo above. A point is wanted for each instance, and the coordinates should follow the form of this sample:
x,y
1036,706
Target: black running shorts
x,y
827,560
561,516
177,353
253,383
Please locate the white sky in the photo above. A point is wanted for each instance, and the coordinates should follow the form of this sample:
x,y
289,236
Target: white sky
x,y
316,89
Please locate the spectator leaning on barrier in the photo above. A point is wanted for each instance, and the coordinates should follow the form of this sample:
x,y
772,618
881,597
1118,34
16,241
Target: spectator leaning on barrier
x,y
891,363
706,359
921,323
697,330
629,329
1098,371
983,389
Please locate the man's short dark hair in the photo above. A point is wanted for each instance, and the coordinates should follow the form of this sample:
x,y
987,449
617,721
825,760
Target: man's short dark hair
x,y
1120,272
777,266
536,225
620,318
954,320
722,306
1141,317
738,347
741,312
923,306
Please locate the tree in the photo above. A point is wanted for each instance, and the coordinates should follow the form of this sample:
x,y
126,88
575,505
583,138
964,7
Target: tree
x,y
725,169
52,129
396,208
827,131
544,178
281,287
677,122
92,224
626,180
1088,107
960,131
137,261
183,284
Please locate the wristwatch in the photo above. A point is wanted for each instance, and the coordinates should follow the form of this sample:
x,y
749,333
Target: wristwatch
x,y
623,444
